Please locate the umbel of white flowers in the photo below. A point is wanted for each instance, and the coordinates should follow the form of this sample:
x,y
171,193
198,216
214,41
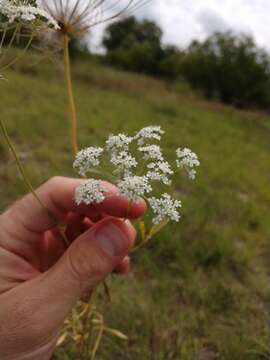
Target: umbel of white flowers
x,y
13,10
138,166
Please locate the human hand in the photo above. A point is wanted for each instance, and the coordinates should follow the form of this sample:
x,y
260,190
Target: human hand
x,y
40,280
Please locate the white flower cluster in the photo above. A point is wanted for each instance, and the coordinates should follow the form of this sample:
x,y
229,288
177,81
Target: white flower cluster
x,y
87,159
16,11
165,208
160,171
120,157
187,159
134,187
151,152
118,142
150,132
90,192
135,176
123,162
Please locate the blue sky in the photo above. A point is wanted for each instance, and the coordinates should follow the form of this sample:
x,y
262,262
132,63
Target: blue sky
x,y
184,20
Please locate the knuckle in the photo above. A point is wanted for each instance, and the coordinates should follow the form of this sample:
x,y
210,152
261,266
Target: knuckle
x,y
9,222
55,180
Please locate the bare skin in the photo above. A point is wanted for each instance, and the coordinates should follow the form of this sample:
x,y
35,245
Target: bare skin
x,y
40,281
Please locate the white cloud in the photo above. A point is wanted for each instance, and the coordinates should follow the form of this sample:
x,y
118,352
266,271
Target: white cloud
x,y
211,22
184,20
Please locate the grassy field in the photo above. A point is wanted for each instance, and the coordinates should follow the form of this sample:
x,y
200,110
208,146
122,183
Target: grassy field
x,y
201,290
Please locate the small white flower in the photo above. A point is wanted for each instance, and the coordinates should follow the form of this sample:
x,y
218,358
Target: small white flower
x,y
160,171
187,160
150,132
118,142
87,159
152,152
90,192
134,187
120,157
192,174
165,208
123,161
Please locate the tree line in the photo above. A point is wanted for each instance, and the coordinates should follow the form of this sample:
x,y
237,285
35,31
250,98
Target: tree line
x,y
226,66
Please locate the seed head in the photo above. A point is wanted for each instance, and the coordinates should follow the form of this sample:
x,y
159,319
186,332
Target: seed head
x,y
77,17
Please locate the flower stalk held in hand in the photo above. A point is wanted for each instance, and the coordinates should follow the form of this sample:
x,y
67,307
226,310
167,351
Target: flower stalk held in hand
x,y
137,166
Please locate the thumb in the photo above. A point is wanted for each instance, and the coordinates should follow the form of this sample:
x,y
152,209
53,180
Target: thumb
x,y
89,259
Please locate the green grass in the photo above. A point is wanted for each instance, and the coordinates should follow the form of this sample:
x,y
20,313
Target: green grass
x,y
201,289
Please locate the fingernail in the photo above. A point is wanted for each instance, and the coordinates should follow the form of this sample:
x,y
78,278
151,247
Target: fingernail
x,y
111,239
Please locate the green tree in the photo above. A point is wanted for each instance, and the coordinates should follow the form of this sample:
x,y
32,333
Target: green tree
x,y
126,33
231,68
134,45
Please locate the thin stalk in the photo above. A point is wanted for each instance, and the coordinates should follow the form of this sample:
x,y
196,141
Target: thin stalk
x,y
71,101
99,336
3,37
16,30
18,163
12,62
26,181
87,312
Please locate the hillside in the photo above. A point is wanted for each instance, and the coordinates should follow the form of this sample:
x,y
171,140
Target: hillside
x,y
201,289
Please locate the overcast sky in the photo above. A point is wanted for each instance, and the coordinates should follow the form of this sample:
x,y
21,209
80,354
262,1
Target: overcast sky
x,y
184,20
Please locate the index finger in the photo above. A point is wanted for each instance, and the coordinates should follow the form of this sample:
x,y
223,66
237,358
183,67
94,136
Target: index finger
x,y
58,197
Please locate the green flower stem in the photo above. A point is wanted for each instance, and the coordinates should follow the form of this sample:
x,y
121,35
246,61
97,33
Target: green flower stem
x,y
155,229
26,181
